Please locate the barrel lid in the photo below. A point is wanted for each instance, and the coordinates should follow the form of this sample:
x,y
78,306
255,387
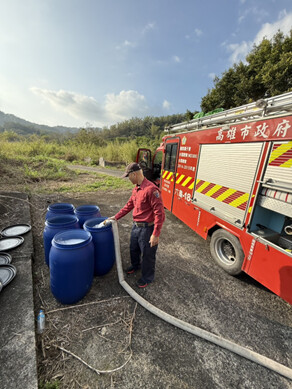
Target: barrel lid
x,y
92,225
61,219
10,243
60,207
87,208
16,230
7,273
71,239
5,258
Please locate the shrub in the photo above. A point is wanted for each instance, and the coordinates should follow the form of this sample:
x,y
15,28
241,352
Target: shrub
x,y
70,157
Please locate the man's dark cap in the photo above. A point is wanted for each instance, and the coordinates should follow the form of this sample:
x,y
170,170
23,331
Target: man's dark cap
x,y
132,167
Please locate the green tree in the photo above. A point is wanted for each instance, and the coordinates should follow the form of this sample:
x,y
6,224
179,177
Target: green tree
x,y
89,136
276,73
10,136
267,72
149,127
155,130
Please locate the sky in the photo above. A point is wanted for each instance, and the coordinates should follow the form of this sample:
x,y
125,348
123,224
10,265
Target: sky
x,y
99,62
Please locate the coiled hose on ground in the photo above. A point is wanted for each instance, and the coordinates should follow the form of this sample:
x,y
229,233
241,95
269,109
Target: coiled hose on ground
x,y
227,344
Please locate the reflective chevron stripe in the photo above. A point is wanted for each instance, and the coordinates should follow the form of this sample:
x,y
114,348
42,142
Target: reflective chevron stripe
x,y
180,179
281,155
186,181
233,197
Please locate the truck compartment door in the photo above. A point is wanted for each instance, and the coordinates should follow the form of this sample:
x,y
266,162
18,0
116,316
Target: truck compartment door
x,y
225,177
276,193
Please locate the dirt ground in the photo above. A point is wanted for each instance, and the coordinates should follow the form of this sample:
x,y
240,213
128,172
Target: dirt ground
x,y
108,331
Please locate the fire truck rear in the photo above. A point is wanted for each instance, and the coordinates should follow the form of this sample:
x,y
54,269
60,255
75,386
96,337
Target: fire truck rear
x,y
228,176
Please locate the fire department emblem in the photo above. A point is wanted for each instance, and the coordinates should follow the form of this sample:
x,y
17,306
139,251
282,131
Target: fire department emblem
x,y
156,194
184,140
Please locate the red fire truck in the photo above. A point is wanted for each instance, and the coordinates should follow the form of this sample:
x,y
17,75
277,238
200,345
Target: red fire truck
x,y
229,176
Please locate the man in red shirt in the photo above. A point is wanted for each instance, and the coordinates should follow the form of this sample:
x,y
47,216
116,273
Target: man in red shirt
x,y
148,217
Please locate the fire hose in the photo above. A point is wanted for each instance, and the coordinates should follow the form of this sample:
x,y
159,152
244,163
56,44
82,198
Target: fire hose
x,y
210,337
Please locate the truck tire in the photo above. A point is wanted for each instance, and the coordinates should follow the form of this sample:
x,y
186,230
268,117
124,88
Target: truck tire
x,y
227,252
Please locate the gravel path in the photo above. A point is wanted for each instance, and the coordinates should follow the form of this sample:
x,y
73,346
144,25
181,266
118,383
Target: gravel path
x,y
97,169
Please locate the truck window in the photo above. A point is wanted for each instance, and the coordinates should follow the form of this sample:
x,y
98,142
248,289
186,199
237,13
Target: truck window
x,y
170,157
145,159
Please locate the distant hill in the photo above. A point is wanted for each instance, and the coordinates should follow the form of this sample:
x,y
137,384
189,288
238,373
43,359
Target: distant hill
x,y
24,127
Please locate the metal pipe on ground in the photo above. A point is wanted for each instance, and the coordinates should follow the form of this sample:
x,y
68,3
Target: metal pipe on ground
x,y
210,337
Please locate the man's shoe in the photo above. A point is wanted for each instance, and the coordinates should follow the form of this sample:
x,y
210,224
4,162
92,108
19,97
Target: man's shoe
x,y
141,283
131,269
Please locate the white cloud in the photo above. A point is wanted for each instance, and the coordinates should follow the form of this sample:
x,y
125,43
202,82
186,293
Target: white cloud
x,y
198,32
176,59
166,104
132,44
148,27
125,105
282,14
116,107
257,13
239,51
72,103
169,61
268,30
241,18
212,75
126,44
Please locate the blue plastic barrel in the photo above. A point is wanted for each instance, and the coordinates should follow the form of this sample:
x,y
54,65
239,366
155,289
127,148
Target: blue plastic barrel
x,y
56,224
60,209
71,265
103,240
85,212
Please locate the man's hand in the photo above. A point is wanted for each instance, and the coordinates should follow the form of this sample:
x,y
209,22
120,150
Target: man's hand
x,y
108,220
153,240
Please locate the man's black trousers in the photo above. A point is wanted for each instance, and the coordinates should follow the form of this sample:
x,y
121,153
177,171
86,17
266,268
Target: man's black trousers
x,y
141,253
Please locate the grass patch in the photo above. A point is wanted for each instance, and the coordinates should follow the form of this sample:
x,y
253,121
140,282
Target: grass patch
x,y
50,385
49,169
68,150
43,174
101,182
